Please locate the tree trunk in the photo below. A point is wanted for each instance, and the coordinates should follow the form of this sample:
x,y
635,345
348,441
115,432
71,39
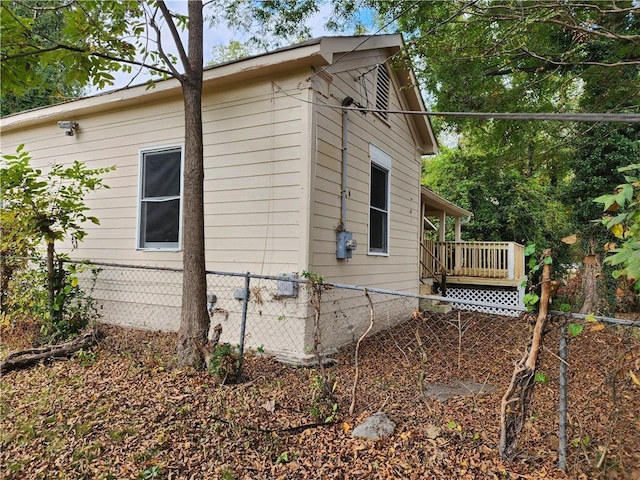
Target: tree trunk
x,y
591,274
194,325
26,358
51,274
515,401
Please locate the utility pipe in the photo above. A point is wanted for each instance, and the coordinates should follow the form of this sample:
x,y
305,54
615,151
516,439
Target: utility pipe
x,y
345,156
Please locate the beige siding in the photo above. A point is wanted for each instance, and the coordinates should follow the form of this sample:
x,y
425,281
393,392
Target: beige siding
x,y
253,145
272,194
398,270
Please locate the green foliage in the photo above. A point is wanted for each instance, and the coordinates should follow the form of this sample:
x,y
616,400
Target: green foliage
x,y
227,475
541,377
600,155
94,41
530,300
575,329
506,205
223,363
286,457
149,473
47,206
313,278
622,219
74,306
534,264
54,85
27,292
270,23
86,357
44,208
324,407
585,441
234,50
526,181
565,307
493,55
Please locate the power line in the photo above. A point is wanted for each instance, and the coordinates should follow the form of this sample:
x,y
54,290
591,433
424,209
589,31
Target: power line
x,y
559,117
367,38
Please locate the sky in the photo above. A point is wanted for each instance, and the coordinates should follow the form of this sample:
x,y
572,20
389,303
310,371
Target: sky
x,y
213,36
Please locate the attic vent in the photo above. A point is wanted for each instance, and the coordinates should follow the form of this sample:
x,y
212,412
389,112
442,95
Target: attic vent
x,y
382,91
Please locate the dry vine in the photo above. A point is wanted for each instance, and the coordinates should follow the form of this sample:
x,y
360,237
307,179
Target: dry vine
x,y
357,373
516,399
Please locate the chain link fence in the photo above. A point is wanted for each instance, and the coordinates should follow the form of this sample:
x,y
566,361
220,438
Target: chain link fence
x,y
426,369
599,395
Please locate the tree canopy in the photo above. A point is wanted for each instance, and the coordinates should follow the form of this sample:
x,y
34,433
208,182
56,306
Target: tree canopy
x,y
54,86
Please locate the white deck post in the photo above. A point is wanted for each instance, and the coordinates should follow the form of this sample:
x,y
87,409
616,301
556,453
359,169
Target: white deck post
x,y
511,261
458,255
442,231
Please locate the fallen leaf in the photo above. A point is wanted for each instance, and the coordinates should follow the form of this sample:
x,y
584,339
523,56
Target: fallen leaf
x,y
433,432
269,406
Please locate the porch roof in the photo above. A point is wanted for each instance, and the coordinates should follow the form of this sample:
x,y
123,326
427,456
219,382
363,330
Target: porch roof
x,y
436,204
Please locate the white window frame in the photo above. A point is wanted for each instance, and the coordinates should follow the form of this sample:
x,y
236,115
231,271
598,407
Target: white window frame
x,y
382,160
159,246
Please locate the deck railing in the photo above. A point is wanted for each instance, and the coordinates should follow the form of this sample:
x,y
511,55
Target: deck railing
x,y
504,260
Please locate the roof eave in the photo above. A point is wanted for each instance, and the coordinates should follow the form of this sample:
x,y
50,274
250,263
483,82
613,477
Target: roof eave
x,y
441,204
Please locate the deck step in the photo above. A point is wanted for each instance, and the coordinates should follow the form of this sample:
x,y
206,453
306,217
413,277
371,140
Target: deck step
x,y
436,306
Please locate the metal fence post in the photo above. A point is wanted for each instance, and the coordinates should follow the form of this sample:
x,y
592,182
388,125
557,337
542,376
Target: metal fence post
x,y
562,420
243,325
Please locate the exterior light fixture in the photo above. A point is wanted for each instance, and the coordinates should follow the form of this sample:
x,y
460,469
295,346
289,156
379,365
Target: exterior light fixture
x,y
70,127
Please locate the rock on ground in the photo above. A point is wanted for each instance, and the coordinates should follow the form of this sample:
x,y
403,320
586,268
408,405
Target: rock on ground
x,y
374,427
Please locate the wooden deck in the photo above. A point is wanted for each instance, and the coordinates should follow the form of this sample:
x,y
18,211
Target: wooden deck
x,y
473,263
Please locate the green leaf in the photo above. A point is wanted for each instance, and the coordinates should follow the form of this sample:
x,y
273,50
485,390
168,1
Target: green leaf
x,y
530,300
575,329
607,200
541,377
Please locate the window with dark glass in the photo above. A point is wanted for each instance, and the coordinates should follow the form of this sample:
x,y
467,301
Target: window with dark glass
x,y
379,209
160,199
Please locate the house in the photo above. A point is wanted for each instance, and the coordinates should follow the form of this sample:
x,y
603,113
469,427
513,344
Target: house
x,y
307,168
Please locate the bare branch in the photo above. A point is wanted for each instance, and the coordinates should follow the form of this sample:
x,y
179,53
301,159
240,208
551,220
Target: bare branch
x,y
174,33
573,64
44,8
152,22
355,378
90,53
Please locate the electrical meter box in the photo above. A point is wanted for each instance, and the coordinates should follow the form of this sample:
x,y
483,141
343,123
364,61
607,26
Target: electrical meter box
x,y
345,245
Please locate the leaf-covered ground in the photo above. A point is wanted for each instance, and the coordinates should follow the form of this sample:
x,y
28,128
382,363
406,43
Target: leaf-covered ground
x,y
123,410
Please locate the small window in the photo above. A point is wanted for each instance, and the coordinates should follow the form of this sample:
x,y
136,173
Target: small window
x,y
383,85
379,186
160,199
